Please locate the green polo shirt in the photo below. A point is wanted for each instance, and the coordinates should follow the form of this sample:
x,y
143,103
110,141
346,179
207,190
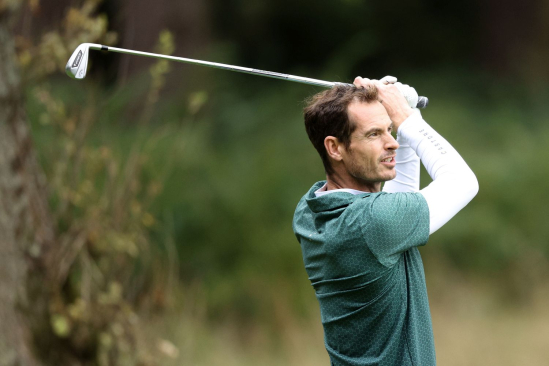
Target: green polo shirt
x,y
360,253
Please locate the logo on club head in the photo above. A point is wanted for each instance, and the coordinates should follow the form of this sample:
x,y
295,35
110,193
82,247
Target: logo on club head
x,y
77,59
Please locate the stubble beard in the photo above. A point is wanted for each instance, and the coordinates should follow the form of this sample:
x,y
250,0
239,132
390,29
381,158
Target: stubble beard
x,y
365,175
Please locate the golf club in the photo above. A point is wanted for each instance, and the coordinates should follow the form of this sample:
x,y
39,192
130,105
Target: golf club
x,y
78,63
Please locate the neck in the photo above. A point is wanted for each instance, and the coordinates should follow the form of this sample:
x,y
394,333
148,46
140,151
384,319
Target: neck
x,y
338,181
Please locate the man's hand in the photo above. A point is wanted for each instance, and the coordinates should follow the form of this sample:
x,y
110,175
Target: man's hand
x,y
391,96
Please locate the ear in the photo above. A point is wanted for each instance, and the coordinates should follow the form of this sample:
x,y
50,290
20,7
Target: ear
x,y
333,148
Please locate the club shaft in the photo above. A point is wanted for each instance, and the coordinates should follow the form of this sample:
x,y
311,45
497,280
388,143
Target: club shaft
x,y
421,103
216,65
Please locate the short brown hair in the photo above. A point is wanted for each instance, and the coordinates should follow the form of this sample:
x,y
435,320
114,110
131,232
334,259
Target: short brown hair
x,y
326,114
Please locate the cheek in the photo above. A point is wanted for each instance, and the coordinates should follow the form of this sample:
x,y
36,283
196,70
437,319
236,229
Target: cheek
x,y
364,158
366,152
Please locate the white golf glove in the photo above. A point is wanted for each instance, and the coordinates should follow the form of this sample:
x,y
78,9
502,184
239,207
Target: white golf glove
x,y
409,93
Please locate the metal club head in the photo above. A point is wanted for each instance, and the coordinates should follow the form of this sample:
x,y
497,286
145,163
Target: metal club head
x,y
78,62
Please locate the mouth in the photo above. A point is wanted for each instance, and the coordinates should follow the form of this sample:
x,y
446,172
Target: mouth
x,y
389,160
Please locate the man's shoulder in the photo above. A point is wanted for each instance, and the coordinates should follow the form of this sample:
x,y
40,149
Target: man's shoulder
x,y
398,198
315,210
341,199
333,201
375,205
380,202
394,206
302,210
310,194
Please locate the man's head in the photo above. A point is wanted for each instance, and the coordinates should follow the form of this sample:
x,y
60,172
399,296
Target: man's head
x,y
351,131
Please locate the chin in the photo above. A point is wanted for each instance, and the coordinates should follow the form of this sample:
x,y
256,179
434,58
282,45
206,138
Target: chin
x,y
393,176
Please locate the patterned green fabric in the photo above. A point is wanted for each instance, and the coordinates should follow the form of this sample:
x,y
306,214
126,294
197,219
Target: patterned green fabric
x,y
361,256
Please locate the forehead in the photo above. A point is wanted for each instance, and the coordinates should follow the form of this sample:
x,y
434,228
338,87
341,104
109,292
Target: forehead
x,y
368,115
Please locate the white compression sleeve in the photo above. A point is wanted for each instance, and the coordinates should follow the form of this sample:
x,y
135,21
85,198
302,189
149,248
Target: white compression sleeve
x,y
454,183
407,169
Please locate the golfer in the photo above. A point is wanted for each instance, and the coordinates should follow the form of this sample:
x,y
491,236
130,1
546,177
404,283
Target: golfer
x,y
359,241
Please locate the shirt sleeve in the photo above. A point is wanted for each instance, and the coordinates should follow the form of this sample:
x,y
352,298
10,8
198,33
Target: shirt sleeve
x,y
395,223
454,183
407,168
407,171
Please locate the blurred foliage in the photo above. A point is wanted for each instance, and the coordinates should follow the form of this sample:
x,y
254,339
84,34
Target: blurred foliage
x,y
101,205
51,52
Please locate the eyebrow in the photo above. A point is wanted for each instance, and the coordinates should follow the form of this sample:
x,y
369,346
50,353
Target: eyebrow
x,y
378,129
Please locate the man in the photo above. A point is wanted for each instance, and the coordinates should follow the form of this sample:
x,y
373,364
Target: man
x,y
359,243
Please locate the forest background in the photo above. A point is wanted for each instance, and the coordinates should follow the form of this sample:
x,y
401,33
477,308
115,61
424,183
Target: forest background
x,y
146,210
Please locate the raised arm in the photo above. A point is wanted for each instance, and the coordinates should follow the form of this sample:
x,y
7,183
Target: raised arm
x,y
407,162
454,184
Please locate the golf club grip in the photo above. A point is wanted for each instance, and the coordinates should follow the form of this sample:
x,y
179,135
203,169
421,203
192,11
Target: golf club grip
x,y
422,102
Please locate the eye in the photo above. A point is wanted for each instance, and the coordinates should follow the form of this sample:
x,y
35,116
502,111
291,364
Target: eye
x,y
373,134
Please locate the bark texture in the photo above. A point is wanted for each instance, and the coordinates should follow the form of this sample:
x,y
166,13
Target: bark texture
x,y
26,234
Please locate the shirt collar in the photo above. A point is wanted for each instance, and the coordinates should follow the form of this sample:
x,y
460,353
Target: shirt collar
x,y
323,190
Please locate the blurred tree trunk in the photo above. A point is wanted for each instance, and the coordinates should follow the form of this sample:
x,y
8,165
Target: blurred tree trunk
x,y
26,233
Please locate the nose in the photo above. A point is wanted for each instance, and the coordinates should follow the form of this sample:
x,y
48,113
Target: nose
x,y
391,143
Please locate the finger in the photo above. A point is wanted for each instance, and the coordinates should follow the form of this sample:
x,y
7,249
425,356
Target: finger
x,y
361,82
378,84
388,80
401,88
